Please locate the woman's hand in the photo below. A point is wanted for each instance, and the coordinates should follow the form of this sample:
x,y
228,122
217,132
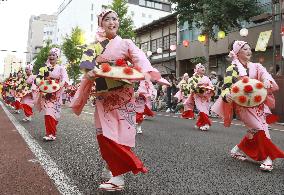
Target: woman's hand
x,y
267,84
91,75
229,98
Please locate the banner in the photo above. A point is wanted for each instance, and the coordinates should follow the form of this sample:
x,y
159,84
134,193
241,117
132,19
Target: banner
x,y
262,41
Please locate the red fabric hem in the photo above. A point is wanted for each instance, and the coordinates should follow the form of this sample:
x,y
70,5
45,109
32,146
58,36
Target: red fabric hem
x,y
27,110
272,118
187,114
203,119
148,111
119,158
260,147
50,125
139,117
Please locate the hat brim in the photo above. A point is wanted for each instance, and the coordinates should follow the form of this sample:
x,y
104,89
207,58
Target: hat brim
x,y
118,72
250,97
46,87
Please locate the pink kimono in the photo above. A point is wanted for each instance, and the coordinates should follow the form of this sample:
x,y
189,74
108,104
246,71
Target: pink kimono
x,y
52,107
257,143
115,109
202,102
146,92
28,100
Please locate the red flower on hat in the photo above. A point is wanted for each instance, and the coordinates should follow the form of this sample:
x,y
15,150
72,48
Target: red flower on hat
x,y
45,88
50,82
120,62
235,89
259,85
257,98
105,67
128,70
248,89
242,99
54,87
41,83
245,80
138,68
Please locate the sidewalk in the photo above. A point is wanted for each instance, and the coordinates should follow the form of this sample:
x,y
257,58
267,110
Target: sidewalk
x,y
20,172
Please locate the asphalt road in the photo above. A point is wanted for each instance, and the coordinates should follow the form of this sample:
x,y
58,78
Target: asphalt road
x,y
180,158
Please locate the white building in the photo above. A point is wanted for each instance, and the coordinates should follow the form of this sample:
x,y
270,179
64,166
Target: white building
x,y
72,13
41,28
11,64
49,32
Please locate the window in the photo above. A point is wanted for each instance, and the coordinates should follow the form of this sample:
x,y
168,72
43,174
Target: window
x,y
173,39
145,46
142,2
150,4
154,46
158,6
92,8
91,27
160,43
92,17
166,42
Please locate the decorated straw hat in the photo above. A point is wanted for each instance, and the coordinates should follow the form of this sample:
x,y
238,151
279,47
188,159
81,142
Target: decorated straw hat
x,y
119,70
50,86
207,87
248,92
22,93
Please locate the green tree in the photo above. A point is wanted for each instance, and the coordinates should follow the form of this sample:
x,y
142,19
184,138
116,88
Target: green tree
x,y
42,56
209,15
126,23
72,51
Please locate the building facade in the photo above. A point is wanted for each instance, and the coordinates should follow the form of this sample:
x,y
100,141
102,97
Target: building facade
x,y
41,29
11,65
158,40
219,50
72,13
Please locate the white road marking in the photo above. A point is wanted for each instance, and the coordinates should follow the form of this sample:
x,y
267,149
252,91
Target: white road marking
x,y
87,112
62,181
236,124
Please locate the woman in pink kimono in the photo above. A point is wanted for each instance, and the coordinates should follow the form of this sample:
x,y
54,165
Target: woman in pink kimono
x,y
144,95
28,100
50,103
182,94
115,102
201,90
20,85
257,143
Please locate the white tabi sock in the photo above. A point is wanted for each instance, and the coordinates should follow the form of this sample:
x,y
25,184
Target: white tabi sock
x,y
235,149
117,180
267,161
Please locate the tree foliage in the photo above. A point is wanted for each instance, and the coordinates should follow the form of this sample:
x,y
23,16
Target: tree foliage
x,y
126,23
209,14
42,56
72,51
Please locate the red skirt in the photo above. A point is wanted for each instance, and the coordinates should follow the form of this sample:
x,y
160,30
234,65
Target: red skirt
x,y
27,110
203,119
187,114
260,147
139,117
119,158
148,111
